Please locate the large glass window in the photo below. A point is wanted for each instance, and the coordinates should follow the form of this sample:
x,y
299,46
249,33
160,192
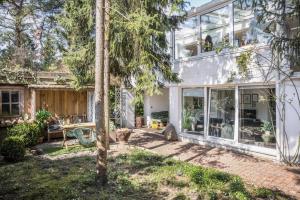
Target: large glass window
x,y
215,29
193,110
247,28
186,39
222,113
257,116
10,103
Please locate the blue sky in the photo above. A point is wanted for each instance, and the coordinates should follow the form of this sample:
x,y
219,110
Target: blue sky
x,y
195,3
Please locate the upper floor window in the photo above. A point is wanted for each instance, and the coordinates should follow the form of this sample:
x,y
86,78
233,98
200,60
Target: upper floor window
x,y
215,29
186,39
10,103
247,28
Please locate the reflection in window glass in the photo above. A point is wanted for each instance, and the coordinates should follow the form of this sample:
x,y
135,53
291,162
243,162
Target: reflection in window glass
x,y
14,97
193,110
247,29
257,117
215,29
15,109
222,113
186,39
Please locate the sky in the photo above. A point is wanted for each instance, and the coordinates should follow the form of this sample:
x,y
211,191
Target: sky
x,y
196,3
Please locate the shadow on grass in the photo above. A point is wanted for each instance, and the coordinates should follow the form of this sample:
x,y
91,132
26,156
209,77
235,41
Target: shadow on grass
x,y
72,178
137,175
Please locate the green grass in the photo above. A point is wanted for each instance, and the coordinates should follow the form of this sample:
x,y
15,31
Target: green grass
x,y
137,175
56,151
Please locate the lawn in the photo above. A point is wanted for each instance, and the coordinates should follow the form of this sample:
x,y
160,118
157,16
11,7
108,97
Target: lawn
x,y
136,175
56,151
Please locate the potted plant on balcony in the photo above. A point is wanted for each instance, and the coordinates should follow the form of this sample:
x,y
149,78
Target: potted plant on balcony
x,y
267,128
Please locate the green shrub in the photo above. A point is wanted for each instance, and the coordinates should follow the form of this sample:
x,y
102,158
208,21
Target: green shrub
x,y
13,149
263,193
197,176
28,132
42,116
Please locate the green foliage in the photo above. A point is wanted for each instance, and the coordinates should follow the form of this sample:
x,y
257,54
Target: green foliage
x,y
29,133
186,124
78,26
136,175
263,193
243,62
42,116
138,45
27,36
13,149
267,126
139,109
57,151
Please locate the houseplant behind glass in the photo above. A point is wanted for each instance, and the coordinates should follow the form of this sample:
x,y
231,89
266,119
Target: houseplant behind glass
x,y
267,128
186,125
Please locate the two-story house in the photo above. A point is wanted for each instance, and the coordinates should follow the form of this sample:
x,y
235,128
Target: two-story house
x,y
254,110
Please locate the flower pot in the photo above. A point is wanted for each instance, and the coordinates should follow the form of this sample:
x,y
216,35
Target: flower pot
x,y
122,135
268,138
139,122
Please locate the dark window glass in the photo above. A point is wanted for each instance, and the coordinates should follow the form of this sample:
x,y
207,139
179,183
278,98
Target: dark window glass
x,y
15,110
15,97
5,97
5,109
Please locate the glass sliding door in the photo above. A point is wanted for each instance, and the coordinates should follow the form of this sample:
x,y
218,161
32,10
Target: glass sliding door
x,y
257,117
193,111
222,113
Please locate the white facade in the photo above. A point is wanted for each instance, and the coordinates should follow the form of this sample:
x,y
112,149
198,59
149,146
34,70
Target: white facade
x,y
209,78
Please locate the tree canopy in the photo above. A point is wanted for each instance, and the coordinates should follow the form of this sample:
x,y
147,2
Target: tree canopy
x,y
139,51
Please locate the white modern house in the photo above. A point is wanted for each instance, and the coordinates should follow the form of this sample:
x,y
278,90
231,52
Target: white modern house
x,y
219,104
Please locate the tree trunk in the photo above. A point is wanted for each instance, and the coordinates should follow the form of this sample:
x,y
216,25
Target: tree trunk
x,y
106,72
101,165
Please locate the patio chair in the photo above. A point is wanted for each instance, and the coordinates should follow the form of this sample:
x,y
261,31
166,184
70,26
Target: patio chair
x,y
78,133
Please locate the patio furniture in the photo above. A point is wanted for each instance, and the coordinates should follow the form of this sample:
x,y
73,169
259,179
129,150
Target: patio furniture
x,y
69,127
78,133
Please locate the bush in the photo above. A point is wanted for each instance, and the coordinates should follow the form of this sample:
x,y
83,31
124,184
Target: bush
x,y
13,149
28,132
42,116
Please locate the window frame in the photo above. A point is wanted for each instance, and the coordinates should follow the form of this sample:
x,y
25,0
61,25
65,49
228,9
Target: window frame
x,y
10,103
229,22
203,133
209,136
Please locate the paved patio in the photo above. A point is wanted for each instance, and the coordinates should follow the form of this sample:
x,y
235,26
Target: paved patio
x,y
257,171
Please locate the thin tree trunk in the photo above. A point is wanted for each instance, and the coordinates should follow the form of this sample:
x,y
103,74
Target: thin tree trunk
x,y
101,165
106,72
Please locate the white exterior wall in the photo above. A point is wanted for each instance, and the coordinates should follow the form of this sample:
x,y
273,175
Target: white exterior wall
x,y
175,104
292,117
213,69
155,103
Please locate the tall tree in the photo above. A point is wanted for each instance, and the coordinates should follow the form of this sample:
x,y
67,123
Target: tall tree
x,y
138,47
99,94
77,23
26,27
106,72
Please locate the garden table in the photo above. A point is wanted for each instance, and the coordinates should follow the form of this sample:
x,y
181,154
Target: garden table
x,y
68,127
